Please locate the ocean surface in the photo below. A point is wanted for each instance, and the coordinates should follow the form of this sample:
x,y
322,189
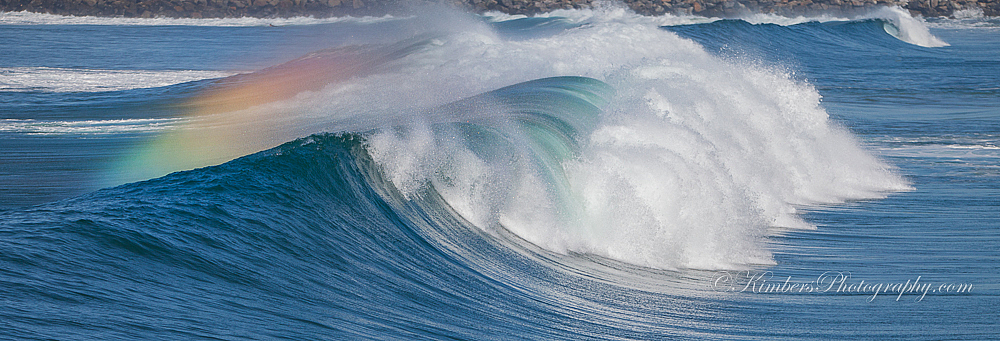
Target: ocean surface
x,y
577,175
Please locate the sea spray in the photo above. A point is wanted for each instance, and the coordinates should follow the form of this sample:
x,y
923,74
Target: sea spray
x,y
907,28
687,163
694,158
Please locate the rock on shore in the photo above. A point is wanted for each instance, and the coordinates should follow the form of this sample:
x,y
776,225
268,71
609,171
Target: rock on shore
x,y
325,8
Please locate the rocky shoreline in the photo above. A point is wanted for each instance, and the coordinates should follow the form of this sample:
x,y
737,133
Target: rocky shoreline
x,y
327,8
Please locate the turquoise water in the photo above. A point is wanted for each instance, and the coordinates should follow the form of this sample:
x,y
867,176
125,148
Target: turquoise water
x,y
579,175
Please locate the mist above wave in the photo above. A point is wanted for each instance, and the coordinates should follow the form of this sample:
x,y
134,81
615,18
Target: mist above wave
x,y
689,163
693,159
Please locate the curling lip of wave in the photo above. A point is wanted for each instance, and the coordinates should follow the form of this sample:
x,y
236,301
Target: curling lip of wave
x,y
907,28
545,121
689,163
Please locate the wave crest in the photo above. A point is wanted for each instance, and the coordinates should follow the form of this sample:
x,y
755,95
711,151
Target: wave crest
x,y
692,159
686,164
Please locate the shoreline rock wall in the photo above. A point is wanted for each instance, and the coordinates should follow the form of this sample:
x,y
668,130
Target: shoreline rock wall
x,y
326,8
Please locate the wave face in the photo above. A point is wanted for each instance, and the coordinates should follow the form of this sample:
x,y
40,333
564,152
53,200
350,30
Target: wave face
x,y
310,238
685,166
692,160
556,178
770,39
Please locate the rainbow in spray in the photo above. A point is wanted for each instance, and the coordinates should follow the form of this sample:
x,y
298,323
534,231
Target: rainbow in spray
x,y
243,114
686,164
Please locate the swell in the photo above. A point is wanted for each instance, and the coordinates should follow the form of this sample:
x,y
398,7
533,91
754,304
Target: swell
x,y
307,240
686,165
320,237
44,79
850,62
302,231
561,186
867,37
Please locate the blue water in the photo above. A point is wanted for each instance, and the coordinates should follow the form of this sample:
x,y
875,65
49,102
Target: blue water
x,y
585,175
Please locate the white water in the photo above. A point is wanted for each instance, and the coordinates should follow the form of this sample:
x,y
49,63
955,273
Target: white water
x,y
47,79
86,127
909,29
29,18
972,18
695,159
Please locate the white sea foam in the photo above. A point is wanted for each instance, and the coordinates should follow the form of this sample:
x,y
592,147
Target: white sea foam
x,y
29,18
604,11
49,79
969,13
86,127
970,18
770,18
907,28
693,162
904,26
983,148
